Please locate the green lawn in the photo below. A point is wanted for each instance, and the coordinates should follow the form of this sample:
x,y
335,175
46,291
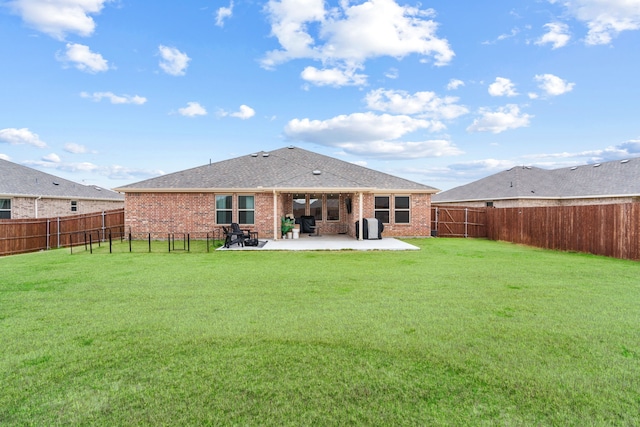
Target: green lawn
x,y
462,332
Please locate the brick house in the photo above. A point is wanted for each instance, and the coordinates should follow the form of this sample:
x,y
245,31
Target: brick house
x,y
28,193
523,186
257,190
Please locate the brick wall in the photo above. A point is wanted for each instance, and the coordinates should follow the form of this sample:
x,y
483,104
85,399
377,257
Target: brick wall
x,y
195,213
164,213
25,207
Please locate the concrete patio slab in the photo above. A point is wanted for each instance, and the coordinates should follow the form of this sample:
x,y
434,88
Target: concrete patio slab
x,y
328,243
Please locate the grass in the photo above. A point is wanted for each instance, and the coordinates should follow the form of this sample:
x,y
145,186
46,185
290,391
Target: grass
x,y
462,332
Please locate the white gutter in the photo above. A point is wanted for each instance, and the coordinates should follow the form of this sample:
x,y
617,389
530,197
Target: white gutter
x,y
280,190
360,225
36,207
275,216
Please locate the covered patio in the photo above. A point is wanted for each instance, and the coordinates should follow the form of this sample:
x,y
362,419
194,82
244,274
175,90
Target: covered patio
x,y
333,242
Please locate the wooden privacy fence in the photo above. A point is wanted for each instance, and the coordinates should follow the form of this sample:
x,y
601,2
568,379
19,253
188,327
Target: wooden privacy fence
x,y
30,235
458,222
609,230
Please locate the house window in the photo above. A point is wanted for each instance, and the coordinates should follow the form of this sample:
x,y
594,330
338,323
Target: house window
x,y
246,210
299,205
74,206
401,210
333,207
315,206
224,209
381,209
489,204
5,208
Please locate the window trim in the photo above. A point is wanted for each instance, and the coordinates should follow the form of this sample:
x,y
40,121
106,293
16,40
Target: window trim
x,y
396,209
253,210
326,206
74,206
6,209
387,210
229,209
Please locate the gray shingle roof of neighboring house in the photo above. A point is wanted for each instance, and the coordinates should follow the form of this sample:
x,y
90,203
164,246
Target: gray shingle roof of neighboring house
x,y
288,168
22,181
600,180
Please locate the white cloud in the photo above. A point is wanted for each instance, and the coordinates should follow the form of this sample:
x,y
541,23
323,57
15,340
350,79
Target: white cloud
x,y
348,35
504,118
557,35
353,127
392,74
15,136
244,113
5,157
333,77
454,84
52,157
605,19
502,87
625,150
83,59
370,135
553,85
115,99
110,171
192,109
402,149
514,32
424,104
224,13
72,147
173,61
59,17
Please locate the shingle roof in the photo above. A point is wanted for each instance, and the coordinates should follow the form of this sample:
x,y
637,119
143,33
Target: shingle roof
x,y
287,168
609,179
18,180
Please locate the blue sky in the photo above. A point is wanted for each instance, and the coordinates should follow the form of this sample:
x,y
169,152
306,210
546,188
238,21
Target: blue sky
x,y
110,92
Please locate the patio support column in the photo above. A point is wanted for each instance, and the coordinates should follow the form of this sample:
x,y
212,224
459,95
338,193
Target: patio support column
x,y
360,216
275,216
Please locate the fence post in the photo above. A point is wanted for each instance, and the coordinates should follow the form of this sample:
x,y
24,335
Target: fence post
x,y
466,222
58,231
109,241
437,218
48,233
104,228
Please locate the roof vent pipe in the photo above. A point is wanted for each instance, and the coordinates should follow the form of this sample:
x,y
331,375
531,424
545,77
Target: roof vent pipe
x,y
254,155
317,172
265,154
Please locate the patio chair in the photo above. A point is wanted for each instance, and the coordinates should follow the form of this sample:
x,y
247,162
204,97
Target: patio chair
x,y
308,225
234,236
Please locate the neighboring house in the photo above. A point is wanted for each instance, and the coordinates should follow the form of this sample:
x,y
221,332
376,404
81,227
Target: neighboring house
x,y
601,183
257,190
29,193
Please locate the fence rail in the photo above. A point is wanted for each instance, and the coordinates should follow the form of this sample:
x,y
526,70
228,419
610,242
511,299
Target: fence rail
x,y
31,235
458,221
610,230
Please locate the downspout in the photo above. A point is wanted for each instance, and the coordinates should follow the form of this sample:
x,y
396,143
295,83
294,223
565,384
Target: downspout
x,y
38,198
275,216
360,225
